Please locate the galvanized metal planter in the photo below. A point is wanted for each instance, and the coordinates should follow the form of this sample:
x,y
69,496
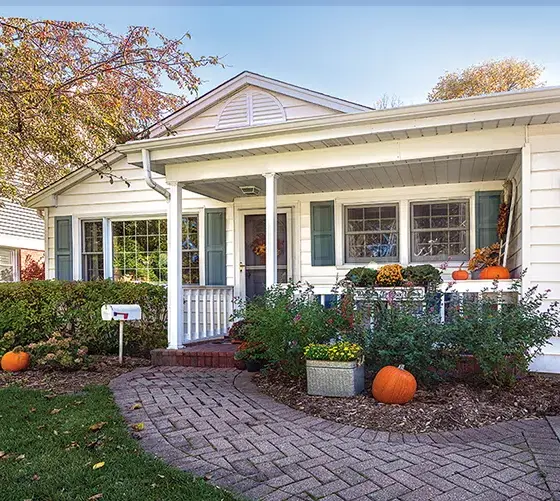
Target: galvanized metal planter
x,y
334,379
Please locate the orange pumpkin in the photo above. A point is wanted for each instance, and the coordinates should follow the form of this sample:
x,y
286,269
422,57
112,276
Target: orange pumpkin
x,y
460,275
494,272
15,360
393,385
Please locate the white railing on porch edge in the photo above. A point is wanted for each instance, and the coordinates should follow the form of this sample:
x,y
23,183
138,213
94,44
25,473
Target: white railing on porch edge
x,y
450,291
207,312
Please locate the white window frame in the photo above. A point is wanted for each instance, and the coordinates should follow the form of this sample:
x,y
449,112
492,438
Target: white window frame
x,y
363,261
14,262
82,246
468,230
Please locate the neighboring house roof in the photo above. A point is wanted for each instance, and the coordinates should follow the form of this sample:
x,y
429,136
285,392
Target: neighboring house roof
x,y
196,107
19,224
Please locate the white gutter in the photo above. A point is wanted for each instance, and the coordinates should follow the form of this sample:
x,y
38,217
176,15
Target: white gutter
x,y
491,102
146,164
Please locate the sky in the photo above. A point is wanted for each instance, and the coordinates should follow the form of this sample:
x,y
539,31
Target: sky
x,y
355,53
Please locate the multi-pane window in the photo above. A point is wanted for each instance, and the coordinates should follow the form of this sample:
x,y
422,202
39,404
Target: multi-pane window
x,y
92,250
140,250
191,257
7,265
372,234
440,231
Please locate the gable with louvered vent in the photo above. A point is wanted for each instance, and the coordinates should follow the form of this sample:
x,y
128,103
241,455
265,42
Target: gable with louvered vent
x,y
251,108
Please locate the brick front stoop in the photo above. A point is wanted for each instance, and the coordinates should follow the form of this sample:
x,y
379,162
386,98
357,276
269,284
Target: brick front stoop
x,y
215,423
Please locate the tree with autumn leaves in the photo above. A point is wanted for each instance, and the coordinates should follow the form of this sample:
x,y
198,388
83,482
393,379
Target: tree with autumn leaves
x,y
487,78
70,91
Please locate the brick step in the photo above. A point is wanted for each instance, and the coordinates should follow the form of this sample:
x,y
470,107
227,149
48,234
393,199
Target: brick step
x,y
217,355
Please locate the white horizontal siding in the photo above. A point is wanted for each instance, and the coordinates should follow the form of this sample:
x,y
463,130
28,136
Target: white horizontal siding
x,y
20,226
96,197
266,111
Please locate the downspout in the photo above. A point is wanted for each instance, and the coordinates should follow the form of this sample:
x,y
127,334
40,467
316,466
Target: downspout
x,y
146,164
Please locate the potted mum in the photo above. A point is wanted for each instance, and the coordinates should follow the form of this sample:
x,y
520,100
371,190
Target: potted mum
x,y
335,370
253,354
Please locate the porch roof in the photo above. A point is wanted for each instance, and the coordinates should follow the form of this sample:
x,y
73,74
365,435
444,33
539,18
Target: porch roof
x,y
484,166
485,113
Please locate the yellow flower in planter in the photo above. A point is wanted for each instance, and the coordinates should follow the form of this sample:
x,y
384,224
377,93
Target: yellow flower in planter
x,y
390,275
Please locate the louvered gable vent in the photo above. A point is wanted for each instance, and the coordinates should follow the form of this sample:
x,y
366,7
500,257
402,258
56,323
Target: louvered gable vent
x,y
251,108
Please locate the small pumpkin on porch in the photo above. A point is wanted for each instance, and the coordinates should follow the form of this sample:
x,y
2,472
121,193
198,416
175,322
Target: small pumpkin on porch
x,y
460,274
15,360
394,385
494,273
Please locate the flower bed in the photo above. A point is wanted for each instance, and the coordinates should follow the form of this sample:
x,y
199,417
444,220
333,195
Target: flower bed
x,y
445,407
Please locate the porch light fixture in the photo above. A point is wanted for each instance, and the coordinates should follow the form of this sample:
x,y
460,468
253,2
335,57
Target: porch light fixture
x,y
251,191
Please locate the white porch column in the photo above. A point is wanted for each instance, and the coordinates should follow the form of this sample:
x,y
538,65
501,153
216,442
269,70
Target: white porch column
x,y
271,239
174,267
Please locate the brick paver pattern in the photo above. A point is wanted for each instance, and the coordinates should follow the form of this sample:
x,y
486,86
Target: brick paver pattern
x,y
216,424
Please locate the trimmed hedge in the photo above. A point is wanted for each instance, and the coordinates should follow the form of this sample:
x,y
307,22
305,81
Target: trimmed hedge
x,y
35,310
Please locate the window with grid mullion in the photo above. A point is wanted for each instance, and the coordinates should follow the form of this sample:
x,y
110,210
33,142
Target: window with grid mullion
x,y
371,233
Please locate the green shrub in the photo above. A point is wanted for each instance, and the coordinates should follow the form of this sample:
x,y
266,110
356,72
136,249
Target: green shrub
x,y
34,310
401,334
285,320
362,276
504,340
422,275
58,352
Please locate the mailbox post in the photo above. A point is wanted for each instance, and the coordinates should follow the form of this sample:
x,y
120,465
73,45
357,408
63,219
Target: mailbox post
x,y
122,313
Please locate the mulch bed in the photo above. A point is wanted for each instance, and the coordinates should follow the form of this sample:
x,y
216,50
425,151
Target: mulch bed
x,y
446,407
101,370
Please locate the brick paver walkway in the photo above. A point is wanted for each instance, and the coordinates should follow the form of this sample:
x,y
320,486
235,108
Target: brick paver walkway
x,y
215,423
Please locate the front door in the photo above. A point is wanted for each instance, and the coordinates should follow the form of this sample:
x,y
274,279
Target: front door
x,y
255,252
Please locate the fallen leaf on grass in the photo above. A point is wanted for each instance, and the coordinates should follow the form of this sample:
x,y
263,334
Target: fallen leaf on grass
x,y
32,409
50,396
97,426
55,411
96,466
20,457
35,477
136,406
2,454
137,426
95,497
73,445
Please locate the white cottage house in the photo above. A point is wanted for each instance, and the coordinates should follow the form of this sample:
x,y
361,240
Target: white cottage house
x,y
259,163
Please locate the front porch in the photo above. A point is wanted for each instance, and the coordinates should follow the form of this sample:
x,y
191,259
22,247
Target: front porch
x,y
407,191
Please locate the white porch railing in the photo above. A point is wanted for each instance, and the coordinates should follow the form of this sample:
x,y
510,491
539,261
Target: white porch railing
x,y
457,292
207,311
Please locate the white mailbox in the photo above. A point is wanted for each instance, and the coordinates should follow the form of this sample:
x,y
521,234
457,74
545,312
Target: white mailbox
x,y
122,313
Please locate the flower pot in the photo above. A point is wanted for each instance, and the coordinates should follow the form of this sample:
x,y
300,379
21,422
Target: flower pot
x,y
239,364
253,365
334,379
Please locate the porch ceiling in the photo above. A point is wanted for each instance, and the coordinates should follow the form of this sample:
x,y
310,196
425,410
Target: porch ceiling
x,y
485,166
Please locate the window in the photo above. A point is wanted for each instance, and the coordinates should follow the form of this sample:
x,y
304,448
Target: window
x,y
372,233
7,265
191,261
440,230
140,250
92,250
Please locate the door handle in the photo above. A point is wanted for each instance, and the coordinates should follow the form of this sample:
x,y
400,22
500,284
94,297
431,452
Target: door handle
x,y
241,267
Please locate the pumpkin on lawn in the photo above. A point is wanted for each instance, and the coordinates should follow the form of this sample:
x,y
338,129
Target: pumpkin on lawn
x,y
16,360
393,385
494,273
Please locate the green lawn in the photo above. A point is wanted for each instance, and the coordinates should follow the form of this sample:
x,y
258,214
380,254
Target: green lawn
x,y
48,453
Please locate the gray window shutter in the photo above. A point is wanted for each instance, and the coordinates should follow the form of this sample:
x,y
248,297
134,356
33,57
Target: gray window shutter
x,y
63,247
487,206
215,240
322,234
